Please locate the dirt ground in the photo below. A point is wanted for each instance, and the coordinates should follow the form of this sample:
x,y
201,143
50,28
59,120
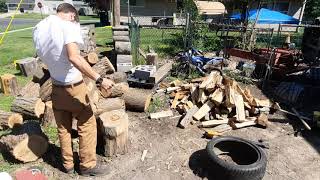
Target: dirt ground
x,y
174,153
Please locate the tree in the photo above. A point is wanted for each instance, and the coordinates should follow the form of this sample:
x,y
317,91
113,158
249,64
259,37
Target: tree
x,y
3,6
312,10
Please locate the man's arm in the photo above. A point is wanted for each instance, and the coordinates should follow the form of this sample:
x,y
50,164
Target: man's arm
x,y
80,63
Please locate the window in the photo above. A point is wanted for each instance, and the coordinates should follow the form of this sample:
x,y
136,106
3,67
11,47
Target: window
x,y
282,7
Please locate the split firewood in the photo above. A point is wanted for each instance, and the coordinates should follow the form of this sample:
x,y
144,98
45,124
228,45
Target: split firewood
x,y
221,128
203,110
243,124
10,119
188,117
262,120
28,107
161,114
240,112
137,99
25,144
178,96
31,89
194,94
9,84
176,83
198,80
48,117
208,80
261,102
230,94
217,96
171,89
46,91
108,104
213,123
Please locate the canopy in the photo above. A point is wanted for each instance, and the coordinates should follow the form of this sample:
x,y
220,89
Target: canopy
x,y
210,8
267,16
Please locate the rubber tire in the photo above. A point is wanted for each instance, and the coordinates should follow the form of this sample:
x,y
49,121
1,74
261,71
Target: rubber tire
x,y
253,171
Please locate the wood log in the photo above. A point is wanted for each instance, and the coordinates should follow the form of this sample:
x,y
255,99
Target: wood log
x,y
27,66
92,58
115,130
213,123
117,77
161,73
46,91
28,107
161,114
41,75
152,59
49,119
31,89
9,85
243,124
10,120
108,104
137,99
103,67
188,117
123,47
121,38
203,110
124,58
240,112
26,144
120,33
116,91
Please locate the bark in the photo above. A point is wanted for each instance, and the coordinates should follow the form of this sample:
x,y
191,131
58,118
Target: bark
x,y
28,107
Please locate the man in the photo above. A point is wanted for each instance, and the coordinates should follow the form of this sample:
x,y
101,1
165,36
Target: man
x,y
56,40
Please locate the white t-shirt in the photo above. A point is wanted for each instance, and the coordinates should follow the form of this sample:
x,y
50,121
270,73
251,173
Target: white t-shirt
x,y
50,37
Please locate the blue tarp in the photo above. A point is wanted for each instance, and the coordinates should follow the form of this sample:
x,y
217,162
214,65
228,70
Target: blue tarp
x,y
267,16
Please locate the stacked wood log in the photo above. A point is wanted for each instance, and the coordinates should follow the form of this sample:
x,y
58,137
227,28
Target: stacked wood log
x,y
122,47
29,107
10,120
88,37
27,66
26,144
9,85
217,100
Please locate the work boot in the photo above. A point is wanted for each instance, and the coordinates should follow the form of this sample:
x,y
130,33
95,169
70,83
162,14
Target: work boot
x,y
98,170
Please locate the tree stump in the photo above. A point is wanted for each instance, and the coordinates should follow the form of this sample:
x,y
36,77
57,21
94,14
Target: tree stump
x,y
46,91
92,58
115,131
103,67
25,144
108,104
28,107
31,89
48,116
137,99
9,85
116,91
152,59
27,66
10,120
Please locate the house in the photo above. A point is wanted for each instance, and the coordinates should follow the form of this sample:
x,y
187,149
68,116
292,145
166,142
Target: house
x,y
48,7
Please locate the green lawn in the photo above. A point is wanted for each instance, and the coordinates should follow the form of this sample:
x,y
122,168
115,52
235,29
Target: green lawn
x,y
38,16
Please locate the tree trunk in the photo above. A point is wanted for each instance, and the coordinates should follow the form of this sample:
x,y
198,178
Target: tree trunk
x,y
26,144
28,107
118,77
116,13
10,120
31,89
137,99
48,117
46,91
104,66
9,84
108,104
115,131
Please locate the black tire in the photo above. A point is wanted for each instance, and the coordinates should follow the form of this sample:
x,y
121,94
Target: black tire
x,y
250,160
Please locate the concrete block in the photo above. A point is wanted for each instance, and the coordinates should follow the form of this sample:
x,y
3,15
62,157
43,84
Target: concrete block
x,y
124,67
144,71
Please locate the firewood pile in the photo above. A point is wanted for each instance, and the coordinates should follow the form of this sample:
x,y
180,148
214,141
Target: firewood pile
x,y
216,102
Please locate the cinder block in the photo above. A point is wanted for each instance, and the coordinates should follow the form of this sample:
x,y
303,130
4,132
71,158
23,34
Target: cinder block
x,y
144,71
124,67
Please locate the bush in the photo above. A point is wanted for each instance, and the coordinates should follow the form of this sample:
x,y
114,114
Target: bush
x,y
3,6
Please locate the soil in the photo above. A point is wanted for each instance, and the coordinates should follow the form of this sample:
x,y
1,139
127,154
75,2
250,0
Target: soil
x,y
174,153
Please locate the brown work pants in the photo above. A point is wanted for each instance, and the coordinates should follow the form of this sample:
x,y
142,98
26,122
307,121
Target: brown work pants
x,y
73,102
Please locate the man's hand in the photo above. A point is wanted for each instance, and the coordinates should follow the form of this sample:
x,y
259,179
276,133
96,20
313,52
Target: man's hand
x,y
107,84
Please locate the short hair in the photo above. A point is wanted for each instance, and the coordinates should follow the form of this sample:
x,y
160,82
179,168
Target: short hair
x,y
67,8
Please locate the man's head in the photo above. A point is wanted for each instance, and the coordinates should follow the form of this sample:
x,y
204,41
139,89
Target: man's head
x,y
67,12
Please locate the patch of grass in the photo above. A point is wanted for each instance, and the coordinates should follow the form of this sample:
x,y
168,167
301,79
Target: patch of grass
x,y
52,133
104,38
5,102
38,16
156,104
7,166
